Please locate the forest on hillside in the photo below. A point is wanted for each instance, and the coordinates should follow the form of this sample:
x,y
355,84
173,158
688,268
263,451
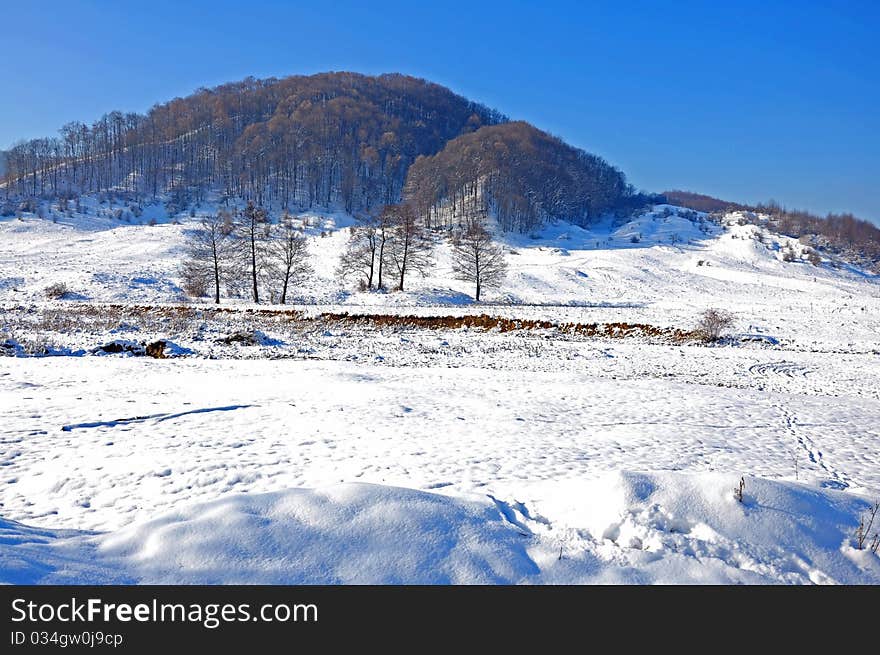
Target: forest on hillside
x,y
305,140
522,175
333,140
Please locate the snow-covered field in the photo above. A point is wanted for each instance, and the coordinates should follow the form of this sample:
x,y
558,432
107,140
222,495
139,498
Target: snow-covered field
x,y
334,451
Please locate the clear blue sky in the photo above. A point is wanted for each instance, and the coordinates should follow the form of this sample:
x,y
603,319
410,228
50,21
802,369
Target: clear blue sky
x,y
744,100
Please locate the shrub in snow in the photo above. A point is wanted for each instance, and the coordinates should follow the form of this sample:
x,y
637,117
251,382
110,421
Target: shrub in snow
x,y
56,291
164,349
193,281
863,532
248,338
739,490
713,322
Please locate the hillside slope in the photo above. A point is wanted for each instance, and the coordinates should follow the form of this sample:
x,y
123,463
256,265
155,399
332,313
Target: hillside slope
x,y
383,450
662,267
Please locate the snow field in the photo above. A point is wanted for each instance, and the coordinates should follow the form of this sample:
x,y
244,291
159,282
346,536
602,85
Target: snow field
x,y
333,452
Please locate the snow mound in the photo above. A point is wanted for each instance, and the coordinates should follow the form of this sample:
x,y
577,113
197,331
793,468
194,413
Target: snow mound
x,y
690,528
626,527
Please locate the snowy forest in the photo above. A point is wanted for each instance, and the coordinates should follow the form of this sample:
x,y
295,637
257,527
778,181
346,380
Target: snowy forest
x,y
332,139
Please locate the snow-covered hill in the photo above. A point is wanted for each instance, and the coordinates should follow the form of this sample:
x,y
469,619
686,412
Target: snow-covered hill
x,y
438,455
664,267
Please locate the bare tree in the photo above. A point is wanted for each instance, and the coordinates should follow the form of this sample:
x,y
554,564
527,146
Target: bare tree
x,y
254,232
409,248
477,258
359,258
713,322
208,248
288,255
384,226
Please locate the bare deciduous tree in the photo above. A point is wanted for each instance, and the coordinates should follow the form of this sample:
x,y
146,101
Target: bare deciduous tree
x,y
288,255
254,232
409,248
477,258
208,249
359,258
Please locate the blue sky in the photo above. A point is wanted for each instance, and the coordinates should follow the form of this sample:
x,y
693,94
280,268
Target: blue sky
x,y
746,100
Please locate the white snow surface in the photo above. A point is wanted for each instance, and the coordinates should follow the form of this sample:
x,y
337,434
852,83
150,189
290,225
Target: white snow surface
x,y
622,528
403,455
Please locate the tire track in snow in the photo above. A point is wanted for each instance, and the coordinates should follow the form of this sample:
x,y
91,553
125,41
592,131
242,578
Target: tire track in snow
x,y
789,369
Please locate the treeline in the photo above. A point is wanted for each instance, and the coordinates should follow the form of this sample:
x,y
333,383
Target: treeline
x,y
701,202
520,174
333,138
841,233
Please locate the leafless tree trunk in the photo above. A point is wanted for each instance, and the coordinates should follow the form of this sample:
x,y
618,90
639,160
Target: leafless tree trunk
x,y
359,258
253,228
208,248
288,256
477,258
409,249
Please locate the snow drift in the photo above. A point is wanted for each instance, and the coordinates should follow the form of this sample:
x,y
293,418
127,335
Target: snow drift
x,y
623,528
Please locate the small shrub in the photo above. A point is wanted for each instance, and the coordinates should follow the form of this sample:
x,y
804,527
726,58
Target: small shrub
x,y
739,490
713,322
194,282
56,291
863,532
156,350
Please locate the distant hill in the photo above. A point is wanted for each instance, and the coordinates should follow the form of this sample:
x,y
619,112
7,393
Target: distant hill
x,y
333,138
329,140
525,175
856,239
